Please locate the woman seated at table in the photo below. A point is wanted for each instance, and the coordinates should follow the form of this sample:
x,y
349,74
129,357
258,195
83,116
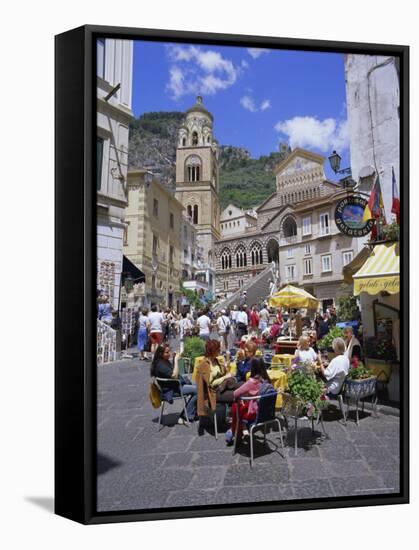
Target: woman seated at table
x,y
274,332
162,367
304,352
243,366
247,410
337,370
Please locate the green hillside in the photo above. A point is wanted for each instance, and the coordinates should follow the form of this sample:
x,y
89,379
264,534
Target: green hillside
x,y
244,181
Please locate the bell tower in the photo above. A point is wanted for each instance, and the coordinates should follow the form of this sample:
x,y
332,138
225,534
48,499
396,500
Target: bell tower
x,y
197,175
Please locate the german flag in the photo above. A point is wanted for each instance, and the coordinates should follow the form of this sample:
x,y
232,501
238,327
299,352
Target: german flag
x,y
375,207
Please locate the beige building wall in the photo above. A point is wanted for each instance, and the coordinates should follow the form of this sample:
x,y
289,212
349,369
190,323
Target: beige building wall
x,y
153,239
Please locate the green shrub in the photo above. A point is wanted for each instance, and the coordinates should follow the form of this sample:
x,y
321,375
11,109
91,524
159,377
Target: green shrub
x,y
194,347
326,342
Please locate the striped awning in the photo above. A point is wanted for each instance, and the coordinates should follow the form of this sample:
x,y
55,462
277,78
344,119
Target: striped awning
x,y
380,272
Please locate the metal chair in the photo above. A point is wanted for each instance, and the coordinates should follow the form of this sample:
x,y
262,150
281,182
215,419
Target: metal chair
x,y
265,417
214,417
177,394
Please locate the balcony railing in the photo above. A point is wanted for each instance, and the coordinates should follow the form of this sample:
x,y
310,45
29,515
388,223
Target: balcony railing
x,y
284,241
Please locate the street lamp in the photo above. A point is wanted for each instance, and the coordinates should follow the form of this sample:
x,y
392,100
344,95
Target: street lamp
x,y
335,160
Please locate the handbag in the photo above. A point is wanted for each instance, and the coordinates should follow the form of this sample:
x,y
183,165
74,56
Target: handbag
x,y
154,395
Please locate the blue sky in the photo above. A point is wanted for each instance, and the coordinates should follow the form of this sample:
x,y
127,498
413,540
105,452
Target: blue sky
x,y
258,97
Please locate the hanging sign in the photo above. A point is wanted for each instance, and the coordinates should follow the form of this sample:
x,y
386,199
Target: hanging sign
x,y
348,216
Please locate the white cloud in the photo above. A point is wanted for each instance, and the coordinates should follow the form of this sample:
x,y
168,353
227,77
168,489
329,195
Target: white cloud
x,y
310,132
256,52
247,102
265,104
195,70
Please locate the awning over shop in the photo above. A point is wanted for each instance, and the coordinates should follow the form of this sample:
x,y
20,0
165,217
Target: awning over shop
x,y
350,269
131,270
380,272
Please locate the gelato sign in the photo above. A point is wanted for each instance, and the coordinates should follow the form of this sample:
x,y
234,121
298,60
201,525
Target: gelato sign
x,y
348,216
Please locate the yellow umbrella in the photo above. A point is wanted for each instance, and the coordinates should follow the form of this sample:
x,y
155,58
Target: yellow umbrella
x,y
292,296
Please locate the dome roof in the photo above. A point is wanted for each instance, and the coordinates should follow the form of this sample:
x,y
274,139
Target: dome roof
x,y
198,107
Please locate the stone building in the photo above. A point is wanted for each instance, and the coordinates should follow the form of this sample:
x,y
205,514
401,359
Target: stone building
x,y
234,220
197,181
114,67
153,242
373,102
295,229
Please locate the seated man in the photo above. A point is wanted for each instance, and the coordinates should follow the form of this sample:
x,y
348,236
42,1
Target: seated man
x,y
337,370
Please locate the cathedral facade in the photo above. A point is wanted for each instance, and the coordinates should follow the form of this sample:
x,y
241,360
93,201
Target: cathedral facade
x,y
294,227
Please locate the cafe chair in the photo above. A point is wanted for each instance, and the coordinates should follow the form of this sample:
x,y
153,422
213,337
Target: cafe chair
x,y
171,391
265,417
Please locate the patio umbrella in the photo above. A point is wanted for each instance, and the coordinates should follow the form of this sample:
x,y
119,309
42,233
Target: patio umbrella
x,y
293,297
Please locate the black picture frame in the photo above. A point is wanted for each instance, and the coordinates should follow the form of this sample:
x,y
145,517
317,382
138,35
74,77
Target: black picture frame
x,y
75,273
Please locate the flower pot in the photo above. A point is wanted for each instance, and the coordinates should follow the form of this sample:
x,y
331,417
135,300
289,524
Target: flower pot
x,y
358,389
290,405
380,368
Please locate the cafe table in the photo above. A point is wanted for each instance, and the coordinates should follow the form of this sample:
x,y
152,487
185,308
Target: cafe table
x,y
283,359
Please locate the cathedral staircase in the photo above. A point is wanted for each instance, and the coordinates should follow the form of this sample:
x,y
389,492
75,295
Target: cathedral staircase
x,y
257,290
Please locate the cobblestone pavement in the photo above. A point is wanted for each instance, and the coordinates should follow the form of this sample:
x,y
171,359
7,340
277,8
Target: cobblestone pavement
x,y
140,467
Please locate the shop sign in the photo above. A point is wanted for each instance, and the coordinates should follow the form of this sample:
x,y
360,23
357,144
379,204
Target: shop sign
x,y
348,216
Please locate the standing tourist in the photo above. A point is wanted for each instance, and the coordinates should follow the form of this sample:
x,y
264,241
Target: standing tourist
x,y
156,320
263,319
242,322
204,324
223,327
142,335
185,329
254,319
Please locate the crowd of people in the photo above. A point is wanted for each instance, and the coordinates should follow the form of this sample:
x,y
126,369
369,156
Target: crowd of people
x,y
247,329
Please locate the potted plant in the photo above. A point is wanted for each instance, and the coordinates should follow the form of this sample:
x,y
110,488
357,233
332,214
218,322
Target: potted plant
x,y
360,381
391,232
325,344
380,354
306,395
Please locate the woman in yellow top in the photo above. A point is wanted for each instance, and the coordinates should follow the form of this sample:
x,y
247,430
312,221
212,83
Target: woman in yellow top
x,y
221,379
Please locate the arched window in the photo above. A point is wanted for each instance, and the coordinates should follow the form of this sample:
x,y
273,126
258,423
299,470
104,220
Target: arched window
x,y
226,259
256,253
289,227
193,168
195,138
195,214
241,257
184,141
189,209
209,139
272,249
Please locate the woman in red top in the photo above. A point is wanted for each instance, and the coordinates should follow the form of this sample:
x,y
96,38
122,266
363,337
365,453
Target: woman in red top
x,y
254,319
247,409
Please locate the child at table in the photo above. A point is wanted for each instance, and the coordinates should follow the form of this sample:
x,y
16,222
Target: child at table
x,y
247,410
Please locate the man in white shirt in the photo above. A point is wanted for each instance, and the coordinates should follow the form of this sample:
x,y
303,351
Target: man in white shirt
x,y
223,326
156,320
204,324
242,322
337,370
